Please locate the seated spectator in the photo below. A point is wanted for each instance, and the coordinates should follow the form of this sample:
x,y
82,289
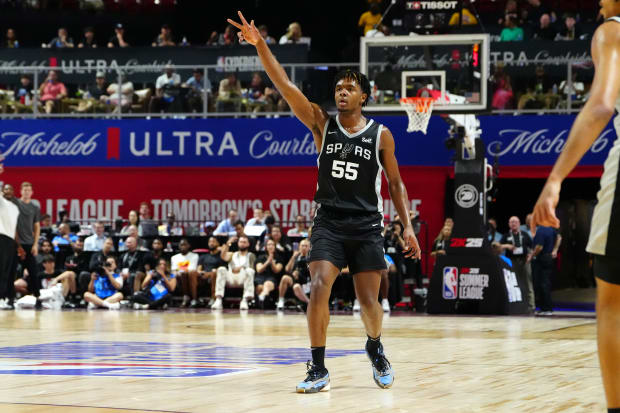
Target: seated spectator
x,y
255,95
511,10
114,96
167,89
45,249
118,40
76,264
95,241
104,289
441,243
492,233
170,228
227,226
545,30
62,40
502,95
269,223
468,18
269,267
91,99
46,227
10,42
164,38
300,229
570,30
240,272
132,219
239,232
535,11
26,285
299,278
282,246
293,35
539,94
575,89
264,32
63,218
23,95
132,267
151,257
132,232
511,33
96,261
88,42
257,219
51,92
228,38
185,267
196,92
368,20
229,94
207,270
64,237
157,288
148,227
275,101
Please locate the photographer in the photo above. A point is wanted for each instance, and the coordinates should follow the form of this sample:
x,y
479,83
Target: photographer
x,y
300,278
104,287
156,288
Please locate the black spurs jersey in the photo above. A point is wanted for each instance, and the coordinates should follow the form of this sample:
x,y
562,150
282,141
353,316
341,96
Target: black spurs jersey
x,y
350,169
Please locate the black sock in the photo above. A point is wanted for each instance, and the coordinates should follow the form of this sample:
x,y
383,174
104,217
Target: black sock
x,y
614,410
373,344
318,356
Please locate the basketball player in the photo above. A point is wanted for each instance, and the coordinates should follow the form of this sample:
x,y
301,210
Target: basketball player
x,y
604,240
348,224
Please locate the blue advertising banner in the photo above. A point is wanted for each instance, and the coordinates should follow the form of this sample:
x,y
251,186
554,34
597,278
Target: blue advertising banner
x,y
516,140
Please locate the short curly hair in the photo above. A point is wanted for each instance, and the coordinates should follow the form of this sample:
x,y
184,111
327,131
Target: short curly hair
x,y
359,77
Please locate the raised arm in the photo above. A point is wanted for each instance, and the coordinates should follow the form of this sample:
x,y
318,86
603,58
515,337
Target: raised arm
x,y
310,114
398,192
589,123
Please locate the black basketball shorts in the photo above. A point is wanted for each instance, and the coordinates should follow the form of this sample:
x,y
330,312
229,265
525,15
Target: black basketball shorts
x,y
345,239
607,268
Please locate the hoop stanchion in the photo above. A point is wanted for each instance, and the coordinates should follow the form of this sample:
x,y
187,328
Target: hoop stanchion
x,y
419,110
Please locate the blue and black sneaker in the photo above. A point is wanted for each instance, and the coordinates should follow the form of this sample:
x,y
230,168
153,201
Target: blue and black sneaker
x,y
381,369
317,380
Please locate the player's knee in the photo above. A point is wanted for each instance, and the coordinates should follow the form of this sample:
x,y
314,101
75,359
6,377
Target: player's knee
x,y
607,296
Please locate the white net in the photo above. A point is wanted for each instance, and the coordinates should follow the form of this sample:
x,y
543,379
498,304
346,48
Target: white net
x,y
419,112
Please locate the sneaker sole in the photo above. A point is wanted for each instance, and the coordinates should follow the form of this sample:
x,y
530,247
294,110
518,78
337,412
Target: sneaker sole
x,y
313,390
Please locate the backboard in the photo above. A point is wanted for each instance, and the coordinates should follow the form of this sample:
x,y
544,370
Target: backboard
x,y
409,66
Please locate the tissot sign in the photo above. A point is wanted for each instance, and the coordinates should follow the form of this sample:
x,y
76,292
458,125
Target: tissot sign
x,y
515,140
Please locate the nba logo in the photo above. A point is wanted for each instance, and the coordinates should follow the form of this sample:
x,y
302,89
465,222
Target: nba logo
x,y
450,277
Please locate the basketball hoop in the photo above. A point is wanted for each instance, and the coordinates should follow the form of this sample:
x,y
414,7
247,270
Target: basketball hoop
x,y
419,112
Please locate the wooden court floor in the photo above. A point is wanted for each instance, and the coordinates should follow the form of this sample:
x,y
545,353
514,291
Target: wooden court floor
x,y
104,361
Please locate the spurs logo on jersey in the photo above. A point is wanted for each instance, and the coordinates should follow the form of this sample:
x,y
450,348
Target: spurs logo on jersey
x,y
349,168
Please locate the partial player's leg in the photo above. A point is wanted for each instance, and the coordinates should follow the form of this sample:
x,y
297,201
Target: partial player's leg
x,y
607,271
323,274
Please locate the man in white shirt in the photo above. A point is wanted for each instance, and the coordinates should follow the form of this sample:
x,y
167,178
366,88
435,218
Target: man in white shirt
x,y
184,266
95,241
167,89
8,249
240,271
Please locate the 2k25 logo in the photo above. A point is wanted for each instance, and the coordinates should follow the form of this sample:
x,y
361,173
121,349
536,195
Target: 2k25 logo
x,y
466,242
450,283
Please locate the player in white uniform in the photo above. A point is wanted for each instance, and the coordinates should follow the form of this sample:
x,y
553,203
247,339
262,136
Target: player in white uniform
x,y
604,240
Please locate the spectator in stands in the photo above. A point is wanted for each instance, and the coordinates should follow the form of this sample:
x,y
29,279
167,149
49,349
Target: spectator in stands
x,y
95,241
257,219
196,92
229,94
118,40
394,243
62,40
96,261
148,227
207,269
369,19
468,18
92,98
535,11
539,94
264,32
294,35
240,272
492,233
88,42
171,228
167,89
275,101
76,265
511,10
23,95
151,257
11,41
185,267
132,266
64,237
382,30
517,246
441,243
157,288
511,33
256,99
239,232
227,226
23,286
228,38
300,229
132,232
104,289
46,227
51,92
299,277
502,94
46,249
545,30
269,267
125,95
269,223
571,29
282,246
164,38
132,219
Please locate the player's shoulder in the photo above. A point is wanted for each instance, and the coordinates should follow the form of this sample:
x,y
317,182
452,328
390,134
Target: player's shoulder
x,y
608,33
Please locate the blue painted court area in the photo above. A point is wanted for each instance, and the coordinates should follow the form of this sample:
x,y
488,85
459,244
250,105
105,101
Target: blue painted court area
x,y
147,359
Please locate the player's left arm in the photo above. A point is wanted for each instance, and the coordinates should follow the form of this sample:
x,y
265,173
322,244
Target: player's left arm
x,y
398,192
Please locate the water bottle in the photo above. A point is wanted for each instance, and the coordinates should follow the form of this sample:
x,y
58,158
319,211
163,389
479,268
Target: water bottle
x,y
169,247
121,245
